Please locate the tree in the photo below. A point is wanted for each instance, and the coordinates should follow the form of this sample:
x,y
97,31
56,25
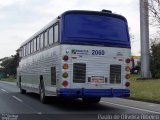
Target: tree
x,y
154,9
155,60
9,64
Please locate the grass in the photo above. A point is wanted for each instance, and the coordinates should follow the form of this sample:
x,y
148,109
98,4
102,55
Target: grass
x,y
9,79
145,90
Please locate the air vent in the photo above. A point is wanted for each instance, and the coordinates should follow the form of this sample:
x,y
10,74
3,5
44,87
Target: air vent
x,y
53,75
79,72
115,74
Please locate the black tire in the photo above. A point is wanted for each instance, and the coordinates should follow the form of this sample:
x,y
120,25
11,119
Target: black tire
x,y
91,99
22,91
43,98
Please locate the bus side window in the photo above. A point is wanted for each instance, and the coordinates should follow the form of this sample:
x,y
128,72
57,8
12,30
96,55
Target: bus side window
x,y
29,48
35,44
56,33
53,75
41,41
45,38
24,50
38,41
50,31
21,52
32,46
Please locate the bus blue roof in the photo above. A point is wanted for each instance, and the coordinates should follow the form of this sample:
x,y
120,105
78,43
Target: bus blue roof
x,y
94,28
93,13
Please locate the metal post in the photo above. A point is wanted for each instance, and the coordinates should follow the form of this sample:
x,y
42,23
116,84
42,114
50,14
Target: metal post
x,y
144,29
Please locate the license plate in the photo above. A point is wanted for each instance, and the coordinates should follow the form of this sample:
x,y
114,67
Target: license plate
x,y
97,79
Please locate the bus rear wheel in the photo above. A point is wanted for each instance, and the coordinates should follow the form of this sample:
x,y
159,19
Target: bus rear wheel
x,y
43,98
22,91
91,99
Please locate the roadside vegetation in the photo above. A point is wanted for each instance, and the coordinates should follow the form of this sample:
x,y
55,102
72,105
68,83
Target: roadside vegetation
x,y
145,90
154,18
8,68
9,79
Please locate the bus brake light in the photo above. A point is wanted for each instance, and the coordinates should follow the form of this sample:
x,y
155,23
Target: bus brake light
x,y
65,58
65,83
128,60
127,84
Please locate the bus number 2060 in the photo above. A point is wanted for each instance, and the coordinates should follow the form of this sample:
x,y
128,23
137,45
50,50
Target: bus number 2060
x,y
98,52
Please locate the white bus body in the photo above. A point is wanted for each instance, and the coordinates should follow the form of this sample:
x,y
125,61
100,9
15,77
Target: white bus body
x,y
103,71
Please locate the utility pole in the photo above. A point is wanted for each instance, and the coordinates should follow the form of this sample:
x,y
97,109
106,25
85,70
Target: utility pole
x,y
144,29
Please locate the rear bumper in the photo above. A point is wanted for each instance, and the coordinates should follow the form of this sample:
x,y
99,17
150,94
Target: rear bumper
x,y
66,92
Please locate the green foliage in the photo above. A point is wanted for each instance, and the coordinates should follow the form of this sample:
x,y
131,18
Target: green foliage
x,y
2,74
9,65
145,90
155,60
9,79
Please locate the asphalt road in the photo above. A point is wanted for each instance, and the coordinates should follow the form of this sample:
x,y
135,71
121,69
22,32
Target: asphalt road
x,y
16,106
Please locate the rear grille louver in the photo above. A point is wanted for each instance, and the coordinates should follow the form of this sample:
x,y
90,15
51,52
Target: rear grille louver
x,y
79,72
115,74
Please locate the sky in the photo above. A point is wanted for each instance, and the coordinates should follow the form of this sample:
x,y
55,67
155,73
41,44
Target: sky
x,y
20,19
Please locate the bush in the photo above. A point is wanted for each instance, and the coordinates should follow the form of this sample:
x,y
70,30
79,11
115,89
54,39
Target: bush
x,y
155,60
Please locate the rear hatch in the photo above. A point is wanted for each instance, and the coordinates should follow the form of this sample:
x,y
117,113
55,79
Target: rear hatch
x,y
93,67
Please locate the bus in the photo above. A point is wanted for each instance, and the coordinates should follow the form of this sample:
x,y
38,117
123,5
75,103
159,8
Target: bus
x,y
81,54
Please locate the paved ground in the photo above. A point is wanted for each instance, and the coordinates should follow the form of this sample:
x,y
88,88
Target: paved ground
x,y
26,107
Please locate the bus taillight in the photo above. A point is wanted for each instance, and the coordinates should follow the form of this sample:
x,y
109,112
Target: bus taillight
x,y
65,58
65,83
127,68
65,66
127,84
127,76
128,60
65,74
